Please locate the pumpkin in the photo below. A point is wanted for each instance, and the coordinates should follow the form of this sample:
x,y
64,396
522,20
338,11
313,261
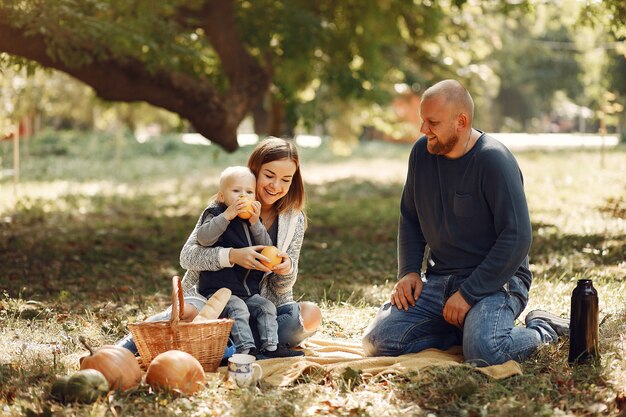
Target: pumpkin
x,y
116,363
85,386
175,370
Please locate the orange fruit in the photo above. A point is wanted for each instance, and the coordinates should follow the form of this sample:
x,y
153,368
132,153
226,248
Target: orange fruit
x,y
271,253
246,214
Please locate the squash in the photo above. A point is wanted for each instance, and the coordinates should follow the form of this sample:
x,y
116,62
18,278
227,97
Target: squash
x,y
85,386
116,363
214,306
175,370
58,388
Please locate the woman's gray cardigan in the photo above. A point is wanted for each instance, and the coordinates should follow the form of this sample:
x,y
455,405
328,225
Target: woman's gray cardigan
x,y
276,288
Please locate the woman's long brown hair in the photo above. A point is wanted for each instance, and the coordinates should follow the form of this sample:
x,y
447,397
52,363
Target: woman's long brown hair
x,y
273,149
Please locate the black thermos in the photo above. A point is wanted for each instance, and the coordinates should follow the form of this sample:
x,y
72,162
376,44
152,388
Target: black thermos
x,y
583,328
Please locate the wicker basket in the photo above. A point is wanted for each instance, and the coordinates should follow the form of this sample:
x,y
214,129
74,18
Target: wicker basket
x,y
206,341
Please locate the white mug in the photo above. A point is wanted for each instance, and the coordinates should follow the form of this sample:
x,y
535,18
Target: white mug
x,y
242,369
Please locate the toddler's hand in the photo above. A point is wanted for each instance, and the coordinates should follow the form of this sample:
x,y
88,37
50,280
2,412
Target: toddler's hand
x,y
231,212
256,212
242,205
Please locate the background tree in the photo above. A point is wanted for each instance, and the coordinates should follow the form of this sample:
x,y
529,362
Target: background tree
x,y
536,59
608,22
301,63
214,61
165,53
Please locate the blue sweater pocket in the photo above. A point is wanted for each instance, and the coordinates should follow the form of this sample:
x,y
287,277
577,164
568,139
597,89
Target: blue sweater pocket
x,y
464,205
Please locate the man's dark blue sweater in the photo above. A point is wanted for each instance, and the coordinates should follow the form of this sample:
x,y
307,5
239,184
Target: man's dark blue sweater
x,y
472,213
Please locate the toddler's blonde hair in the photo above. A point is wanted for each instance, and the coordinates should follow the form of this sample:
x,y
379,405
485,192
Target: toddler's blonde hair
x,y
235,171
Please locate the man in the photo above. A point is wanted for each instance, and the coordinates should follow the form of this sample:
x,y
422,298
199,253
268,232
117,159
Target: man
x,y
464,200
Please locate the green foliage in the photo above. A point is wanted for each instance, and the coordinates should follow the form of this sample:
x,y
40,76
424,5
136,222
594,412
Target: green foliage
x,y
80,32
329,60
324,50
611,13
617,69
533,61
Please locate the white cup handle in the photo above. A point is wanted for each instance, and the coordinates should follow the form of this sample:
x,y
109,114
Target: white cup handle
x,y
257,367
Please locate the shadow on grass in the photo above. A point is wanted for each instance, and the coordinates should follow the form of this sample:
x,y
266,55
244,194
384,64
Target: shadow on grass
x,y
554,253
458,391
123,247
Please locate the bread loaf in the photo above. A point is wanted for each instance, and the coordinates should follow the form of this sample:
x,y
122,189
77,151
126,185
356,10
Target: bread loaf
x,y
214,306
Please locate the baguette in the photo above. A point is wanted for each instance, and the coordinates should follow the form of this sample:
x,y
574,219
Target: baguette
x,y
214,306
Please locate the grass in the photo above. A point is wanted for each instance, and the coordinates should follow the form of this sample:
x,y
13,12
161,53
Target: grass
x,y
90,238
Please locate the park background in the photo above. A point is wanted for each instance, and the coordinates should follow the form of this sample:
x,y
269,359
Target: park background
x,y
117,117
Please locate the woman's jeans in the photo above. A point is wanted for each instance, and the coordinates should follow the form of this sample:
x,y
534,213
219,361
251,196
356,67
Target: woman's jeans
x,y
290,329
488,336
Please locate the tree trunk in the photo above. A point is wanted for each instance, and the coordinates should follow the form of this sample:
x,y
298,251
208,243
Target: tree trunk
x,y
261,119
277,124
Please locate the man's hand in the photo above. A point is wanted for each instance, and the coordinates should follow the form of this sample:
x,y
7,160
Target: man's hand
x,y
456,309
406,291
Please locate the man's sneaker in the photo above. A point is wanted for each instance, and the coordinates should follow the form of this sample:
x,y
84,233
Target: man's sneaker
x,y
281,352
559,324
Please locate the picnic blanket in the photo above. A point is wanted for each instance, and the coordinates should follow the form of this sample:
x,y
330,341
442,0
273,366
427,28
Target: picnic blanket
x,y
324,356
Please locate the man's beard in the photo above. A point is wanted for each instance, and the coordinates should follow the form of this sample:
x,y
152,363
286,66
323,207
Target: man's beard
x,y
438,148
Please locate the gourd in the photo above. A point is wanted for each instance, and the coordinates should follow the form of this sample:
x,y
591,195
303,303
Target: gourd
x,y
214,306
116,363
85,386
175,370
58,388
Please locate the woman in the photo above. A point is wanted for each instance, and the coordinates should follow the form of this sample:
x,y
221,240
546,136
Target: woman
x,y
280,190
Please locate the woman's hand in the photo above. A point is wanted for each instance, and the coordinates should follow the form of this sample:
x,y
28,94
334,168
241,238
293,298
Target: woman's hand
x,y
248,258
189,313
284,267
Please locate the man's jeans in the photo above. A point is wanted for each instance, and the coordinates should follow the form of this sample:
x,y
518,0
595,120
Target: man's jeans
x,y
488,336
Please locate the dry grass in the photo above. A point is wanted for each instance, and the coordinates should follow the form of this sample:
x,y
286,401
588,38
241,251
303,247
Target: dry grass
x,y
89,243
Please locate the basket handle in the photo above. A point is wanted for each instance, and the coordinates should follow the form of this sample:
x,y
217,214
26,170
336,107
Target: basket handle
x,y
178,301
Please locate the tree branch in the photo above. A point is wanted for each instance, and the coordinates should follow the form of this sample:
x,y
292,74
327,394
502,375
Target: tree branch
x,y
213,114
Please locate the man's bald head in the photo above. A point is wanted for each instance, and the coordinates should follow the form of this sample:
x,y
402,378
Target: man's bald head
x,y
453,93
